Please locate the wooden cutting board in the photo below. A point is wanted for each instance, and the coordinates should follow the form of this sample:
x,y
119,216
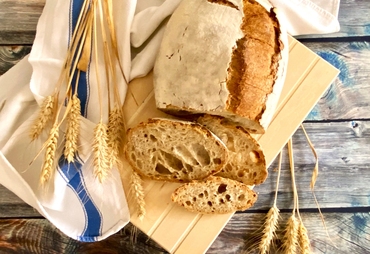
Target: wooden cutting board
x,y
170,225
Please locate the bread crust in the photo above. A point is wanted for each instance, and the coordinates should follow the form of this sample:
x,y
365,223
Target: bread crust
x,y
174,150
215,195
222,59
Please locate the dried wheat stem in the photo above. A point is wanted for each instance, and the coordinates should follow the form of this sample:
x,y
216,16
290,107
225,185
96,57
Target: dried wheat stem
x,y
115,135
45,115
52,142
137,188
269,230
272,218
100,148
73,129
290,240
304,241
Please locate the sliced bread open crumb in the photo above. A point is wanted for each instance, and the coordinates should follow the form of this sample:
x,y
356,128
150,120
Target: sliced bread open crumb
x,y
173,150
215,195
246,162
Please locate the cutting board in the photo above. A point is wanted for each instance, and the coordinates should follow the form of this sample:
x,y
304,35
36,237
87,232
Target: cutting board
x,y
171,226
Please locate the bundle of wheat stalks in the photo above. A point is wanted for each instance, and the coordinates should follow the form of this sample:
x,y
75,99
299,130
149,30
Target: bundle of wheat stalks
x,y
96,18
295,239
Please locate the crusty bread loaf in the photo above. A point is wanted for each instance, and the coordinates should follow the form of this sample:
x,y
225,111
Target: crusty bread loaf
x,y
225,58
214,195
172,150
246,162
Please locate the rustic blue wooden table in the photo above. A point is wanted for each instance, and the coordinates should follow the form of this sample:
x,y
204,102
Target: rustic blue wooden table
x,y
339,127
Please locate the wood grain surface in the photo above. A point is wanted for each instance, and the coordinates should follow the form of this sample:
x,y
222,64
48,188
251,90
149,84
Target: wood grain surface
x,y
19,20
338,127
349,232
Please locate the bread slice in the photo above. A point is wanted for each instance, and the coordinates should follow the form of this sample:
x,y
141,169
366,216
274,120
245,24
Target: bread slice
x,y
215,195
226,58
246,162
173,150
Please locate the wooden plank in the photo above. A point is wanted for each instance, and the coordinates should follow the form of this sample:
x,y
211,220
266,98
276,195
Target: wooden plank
x,y
18,20
347,98
344,168
349,230
349,95
40,236
353,20
13,207
10,55
342,182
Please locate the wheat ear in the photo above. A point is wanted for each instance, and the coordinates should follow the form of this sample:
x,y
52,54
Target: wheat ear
x,y
52,142
290,240
270,226
44,116
116,129
100,148
304,241
73,129
272,218
137,188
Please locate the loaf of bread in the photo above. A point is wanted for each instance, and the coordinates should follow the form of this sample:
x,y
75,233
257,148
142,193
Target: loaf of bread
x,y
172,150
246,162
225,58
214,195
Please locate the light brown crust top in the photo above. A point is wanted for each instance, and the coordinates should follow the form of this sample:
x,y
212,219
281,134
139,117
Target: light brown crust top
x,y
253,68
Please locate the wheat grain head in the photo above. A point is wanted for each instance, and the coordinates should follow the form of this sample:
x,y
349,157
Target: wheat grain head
x,y
290,240
100,149
304,241
138,191
44,116
115,136
48,165
269,230
73,129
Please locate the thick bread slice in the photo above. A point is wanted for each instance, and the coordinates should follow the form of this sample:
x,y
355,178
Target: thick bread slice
x,y
246,162
215,195
173,150
226,58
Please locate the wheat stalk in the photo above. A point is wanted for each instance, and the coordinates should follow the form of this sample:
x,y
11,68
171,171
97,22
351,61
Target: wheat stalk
x,y
137,188
272,218
270,226
100,148
115,135
290,240
73,129
304,241
44,116
52,142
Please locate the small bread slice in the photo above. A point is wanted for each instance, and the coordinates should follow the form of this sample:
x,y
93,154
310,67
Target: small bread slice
x,y
174,150
215,195
246,159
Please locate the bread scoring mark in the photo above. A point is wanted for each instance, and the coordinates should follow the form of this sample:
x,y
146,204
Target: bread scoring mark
x,y
225,3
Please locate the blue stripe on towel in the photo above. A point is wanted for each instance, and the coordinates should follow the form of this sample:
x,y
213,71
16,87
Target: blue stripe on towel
x,y
83,81
72,174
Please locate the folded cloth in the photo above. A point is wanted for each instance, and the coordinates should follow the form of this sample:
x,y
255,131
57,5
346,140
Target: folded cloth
x,y
309,17
73,199
75,202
